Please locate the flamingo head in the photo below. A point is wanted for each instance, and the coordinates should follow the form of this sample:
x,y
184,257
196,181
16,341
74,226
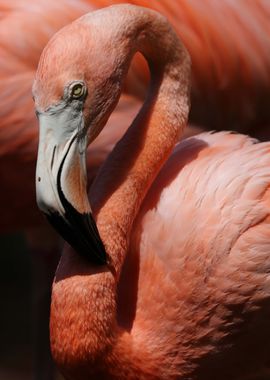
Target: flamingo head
x,y
76,88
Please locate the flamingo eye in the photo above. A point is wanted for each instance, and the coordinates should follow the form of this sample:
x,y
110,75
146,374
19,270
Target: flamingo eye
x,y
77,91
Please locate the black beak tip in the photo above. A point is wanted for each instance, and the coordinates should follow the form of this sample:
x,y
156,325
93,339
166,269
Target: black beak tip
x,y
83,235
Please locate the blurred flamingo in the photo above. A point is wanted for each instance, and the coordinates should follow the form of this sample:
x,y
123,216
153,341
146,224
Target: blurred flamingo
x,y
174,283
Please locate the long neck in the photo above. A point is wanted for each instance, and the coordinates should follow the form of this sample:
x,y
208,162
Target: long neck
x,y
122,183
84,326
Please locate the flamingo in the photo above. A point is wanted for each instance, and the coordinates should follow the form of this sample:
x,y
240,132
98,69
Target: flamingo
x,y
167,273
224,80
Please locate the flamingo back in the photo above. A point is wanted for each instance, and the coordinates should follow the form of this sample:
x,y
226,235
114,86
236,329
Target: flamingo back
x,y
199,259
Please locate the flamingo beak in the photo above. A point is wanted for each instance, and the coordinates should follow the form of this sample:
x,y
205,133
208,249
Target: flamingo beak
x,y
61,181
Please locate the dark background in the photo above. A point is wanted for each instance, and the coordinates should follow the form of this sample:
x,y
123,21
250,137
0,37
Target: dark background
x,y
22,284
16,317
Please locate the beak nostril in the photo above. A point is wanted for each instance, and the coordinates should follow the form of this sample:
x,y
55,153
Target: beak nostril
x,y
39,179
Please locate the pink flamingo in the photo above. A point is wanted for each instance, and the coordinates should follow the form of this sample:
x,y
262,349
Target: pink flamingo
x,y
224,80
172,280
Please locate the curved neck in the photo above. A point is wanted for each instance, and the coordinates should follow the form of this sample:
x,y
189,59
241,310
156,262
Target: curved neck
x,y
122,183
84,328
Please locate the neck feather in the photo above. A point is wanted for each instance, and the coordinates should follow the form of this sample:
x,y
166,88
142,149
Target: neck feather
x,y
121,185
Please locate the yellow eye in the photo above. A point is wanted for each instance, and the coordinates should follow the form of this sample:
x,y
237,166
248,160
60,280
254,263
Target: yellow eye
x,y
77,91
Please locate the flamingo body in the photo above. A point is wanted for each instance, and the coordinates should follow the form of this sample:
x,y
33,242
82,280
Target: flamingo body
x,y
201,245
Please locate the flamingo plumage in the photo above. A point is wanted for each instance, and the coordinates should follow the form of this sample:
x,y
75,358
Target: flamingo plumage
x,y
167,276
